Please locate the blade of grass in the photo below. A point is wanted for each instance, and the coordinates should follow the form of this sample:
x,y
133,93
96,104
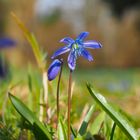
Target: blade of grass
x,y
39,58
73,132
113,130
31,39
96,125
86,120
61,131
116,116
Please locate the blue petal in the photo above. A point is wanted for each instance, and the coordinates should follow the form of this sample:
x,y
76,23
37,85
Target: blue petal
x,y
67,40
72,60
86,55
82,36
60,51
54,69
6,42
92,44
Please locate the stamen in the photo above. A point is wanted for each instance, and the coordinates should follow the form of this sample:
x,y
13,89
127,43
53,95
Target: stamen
x,y
75,46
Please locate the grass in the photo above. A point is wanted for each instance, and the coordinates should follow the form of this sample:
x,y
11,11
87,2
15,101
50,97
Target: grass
x,y
121,88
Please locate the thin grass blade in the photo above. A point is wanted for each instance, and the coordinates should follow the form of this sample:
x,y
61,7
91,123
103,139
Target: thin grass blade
x,y
61,131
86,120
116,116
30,38
96,125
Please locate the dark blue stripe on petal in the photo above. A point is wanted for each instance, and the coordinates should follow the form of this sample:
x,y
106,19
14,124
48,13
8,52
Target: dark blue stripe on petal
x,y
60,51
54,69
67,40
6,42
72,60
92,44
82,36
86,55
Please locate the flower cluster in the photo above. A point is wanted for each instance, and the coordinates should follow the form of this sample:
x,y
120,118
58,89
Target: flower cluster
x,y
77,47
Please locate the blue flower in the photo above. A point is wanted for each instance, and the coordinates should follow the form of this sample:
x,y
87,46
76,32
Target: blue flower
x,y
54,69
6,42
77,48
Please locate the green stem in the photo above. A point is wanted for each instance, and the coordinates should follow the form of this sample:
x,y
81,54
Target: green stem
x,y
45,96
58,87
69,104
112,132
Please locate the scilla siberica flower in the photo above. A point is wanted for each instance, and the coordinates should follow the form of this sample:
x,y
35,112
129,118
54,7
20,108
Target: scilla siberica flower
x,y
6,42
77,48
54,69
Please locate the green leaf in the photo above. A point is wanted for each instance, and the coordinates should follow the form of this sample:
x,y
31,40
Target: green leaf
x,y
22,109
40,131
95,127
85,122
116,116
61,131
38,128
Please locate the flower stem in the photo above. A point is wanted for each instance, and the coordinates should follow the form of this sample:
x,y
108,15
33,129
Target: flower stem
x,y
69,103
58,87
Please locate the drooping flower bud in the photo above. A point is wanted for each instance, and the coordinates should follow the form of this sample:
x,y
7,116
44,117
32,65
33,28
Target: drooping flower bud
x,y
54,69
